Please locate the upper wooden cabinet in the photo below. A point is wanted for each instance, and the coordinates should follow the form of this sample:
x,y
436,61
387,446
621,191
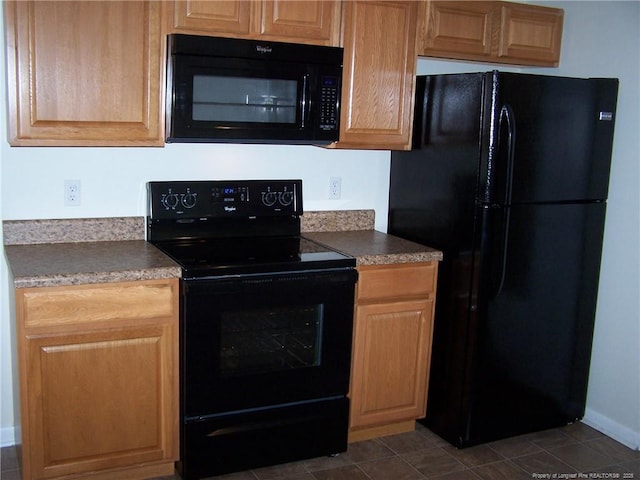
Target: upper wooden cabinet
x,y
379,40
491,31
312,22
85,73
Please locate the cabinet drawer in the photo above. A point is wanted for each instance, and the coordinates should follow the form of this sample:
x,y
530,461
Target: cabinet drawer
x,y
396,281
55,306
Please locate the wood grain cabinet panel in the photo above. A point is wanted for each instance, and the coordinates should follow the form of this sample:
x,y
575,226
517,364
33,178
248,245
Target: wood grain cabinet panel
x,y
306,21
85,73
530,33
391,348
491,31
213,17
378,87
99,394
459,28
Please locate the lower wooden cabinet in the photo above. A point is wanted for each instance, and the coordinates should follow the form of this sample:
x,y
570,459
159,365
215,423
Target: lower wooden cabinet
x,y
98,371
392,348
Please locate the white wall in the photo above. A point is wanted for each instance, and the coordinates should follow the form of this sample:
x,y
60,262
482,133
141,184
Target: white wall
x,y
113,185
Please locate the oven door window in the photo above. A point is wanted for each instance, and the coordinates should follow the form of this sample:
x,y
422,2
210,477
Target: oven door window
x,y
263,340
235,99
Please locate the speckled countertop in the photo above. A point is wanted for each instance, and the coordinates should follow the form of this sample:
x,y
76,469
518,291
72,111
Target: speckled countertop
x,y
371,247
56,264
77,251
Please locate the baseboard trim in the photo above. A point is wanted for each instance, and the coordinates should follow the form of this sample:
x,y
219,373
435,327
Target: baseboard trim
x,y
612,429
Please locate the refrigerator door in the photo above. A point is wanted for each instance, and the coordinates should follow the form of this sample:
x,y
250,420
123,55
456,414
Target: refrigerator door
x,y
562,134
433,187
537,296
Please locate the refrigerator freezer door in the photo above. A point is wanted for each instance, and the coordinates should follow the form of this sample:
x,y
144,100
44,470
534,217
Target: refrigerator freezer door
x,y
563,137
433,187
535,319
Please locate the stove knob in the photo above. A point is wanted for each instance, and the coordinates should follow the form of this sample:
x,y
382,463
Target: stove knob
x,y
269,198
188,200
170,200
286,198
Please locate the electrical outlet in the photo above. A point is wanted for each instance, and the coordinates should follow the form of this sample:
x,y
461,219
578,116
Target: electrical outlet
x,y
335,188
72,193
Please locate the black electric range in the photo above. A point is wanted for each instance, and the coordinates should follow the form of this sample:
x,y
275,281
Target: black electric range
x,y
266,324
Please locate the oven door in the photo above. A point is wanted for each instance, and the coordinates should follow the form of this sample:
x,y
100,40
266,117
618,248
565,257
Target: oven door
x,y
257,341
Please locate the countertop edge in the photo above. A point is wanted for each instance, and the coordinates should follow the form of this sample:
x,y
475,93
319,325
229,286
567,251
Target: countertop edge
x,y
96,277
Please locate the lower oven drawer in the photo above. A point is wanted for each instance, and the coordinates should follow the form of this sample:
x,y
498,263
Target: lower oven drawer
x,y
269,436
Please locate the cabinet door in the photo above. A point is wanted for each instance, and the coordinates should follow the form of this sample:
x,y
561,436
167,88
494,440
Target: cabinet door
x,y
100,401
308,21
379,74
459,28
98,370
304,21
530,34
96,81
390,362
228,16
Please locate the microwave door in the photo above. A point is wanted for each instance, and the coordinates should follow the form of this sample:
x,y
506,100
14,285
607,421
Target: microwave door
x,y
241,104
236,100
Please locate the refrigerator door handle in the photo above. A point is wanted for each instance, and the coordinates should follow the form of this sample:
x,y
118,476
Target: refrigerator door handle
x,y
507,119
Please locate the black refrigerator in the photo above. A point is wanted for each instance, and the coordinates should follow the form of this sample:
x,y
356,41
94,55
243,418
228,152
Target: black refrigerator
x,y
508,176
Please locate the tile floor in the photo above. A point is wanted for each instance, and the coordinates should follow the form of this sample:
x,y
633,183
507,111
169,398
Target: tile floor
x,y
573,452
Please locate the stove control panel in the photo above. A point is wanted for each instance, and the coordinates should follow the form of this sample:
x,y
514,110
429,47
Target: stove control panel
x,y
224,198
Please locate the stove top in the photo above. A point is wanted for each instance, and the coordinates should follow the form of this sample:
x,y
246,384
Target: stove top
x,y
243,256
214,228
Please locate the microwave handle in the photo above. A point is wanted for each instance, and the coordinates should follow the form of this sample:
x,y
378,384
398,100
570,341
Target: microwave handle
x,y
306,107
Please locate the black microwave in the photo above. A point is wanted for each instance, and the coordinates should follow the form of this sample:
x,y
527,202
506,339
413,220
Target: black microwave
x,y
250,91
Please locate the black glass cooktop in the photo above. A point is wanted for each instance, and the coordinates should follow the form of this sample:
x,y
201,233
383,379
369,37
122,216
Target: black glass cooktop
x,y
250,255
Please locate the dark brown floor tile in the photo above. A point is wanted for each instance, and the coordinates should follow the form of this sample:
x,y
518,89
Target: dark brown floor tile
x,y
515,447
461,475
368,450
581,431
8,458
549,439
324,463
632,469
10,475
390,468
407,442
433,461
293,476
582,458
277,471
501,471
542,462
350,472
616,450
474,456
248,475
432,437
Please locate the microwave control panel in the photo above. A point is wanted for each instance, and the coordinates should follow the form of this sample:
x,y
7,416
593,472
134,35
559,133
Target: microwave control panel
x,y
329,92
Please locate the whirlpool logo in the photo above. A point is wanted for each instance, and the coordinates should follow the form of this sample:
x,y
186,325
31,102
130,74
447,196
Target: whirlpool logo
x,y
263,49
